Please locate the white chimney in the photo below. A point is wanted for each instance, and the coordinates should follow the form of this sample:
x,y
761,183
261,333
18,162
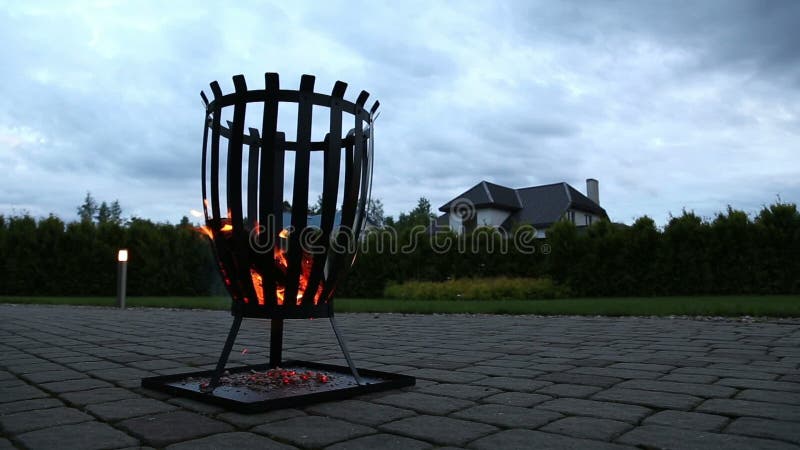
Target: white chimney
x,y
593,190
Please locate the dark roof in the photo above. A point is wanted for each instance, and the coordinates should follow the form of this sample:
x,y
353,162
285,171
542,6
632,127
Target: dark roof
x,y
583,203
543,205
540,206
485,194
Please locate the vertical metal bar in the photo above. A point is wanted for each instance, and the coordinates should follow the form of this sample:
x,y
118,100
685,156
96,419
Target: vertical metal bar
x,y
215,125
343,237
363,160
226,351
349,208
252,180
234,162
330,188
275,342
302,160
343,345
206,125
270,214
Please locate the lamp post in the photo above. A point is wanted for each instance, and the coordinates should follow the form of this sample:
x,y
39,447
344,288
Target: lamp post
x,y
122,275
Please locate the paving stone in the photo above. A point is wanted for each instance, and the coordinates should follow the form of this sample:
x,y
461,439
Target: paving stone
x,y
429,428
569,390
517,399
760,384
53,375
587,427
577,378
527,439
381,441
699,390
617,373
663,368
124,409
771,429
691,420
27,405
23,392
163,429
794,378
465,391
653,399
40,366
592,408
101,395
689,378
93,365
358,411
59,387
425,403
501,371
445,376
654,436
312,431
155,364
251,420
14,382
513,384
769,396
739,408
82,436
40,418
237,440
507,416
733,373
122,373
195,406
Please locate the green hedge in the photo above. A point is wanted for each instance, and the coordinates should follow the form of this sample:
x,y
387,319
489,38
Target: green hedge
x,y
731,253
500,288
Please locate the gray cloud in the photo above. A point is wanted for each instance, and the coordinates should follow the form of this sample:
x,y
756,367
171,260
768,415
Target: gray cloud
x,y
669,104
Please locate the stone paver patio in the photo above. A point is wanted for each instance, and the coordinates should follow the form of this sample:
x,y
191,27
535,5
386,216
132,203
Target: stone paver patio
x,y
69,378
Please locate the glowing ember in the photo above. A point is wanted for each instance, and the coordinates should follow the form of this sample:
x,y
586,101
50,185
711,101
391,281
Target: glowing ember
x,y
271,379
226,230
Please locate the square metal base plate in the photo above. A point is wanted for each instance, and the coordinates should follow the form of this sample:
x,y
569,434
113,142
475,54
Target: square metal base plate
x,y
242,399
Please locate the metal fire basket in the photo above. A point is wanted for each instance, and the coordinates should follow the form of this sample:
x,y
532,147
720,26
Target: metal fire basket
x,y
278,270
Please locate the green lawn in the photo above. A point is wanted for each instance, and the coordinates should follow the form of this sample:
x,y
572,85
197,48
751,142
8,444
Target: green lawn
x,y
773,305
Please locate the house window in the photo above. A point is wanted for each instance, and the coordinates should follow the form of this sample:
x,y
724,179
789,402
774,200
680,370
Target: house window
x,y
588,218
571,216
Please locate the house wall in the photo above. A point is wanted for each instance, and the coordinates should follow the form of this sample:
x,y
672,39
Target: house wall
x,y
455,224
580,217
492,217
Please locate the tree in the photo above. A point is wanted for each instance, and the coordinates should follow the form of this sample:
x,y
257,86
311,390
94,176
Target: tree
x,y
88,209
419,216
375,212
116,213
316,208
103,213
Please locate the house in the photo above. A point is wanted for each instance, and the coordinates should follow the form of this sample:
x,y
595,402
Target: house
x,y
492,205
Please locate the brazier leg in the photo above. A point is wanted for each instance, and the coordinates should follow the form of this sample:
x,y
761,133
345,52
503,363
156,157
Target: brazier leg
x,y
226,351
343,345
275,342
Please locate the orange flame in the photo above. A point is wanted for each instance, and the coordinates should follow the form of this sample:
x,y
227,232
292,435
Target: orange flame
x,y
282,265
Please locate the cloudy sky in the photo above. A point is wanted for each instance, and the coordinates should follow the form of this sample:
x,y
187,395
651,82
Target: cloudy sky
x,y
669,105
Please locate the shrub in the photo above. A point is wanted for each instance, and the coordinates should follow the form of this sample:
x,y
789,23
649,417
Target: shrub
x,y
499,288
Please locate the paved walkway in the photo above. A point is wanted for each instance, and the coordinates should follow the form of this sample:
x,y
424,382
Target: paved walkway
x,y
69,378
